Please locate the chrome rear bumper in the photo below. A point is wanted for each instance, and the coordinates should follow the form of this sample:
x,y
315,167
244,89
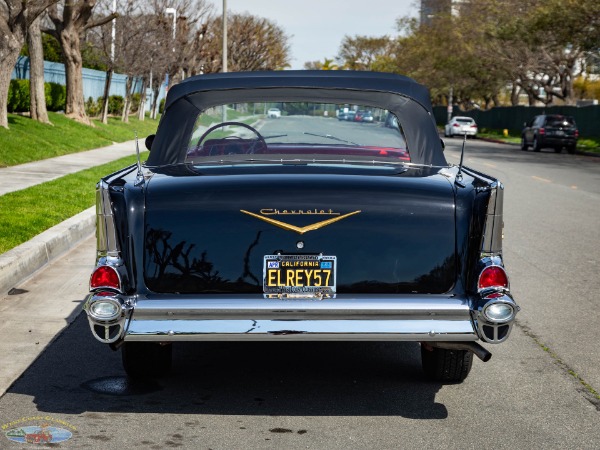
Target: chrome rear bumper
x,y
352,318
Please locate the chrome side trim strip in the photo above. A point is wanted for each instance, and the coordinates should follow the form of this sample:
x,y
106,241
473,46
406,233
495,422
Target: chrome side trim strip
x,y
494,221
106,237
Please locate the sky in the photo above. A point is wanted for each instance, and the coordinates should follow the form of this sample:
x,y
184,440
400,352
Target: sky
x,y
317,27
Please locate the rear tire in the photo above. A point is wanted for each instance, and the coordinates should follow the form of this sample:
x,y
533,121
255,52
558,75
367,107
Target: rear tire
x,y
571,149
524,145
445,365
557,149
146,359
536,145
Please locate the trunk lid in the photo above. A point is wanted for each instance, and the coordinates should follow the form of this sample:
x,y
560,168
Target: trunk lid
x,y
392,233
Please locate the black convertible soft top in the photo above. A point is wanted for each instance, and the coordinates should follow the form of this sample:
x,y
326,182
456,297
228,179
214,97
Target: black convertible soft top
x,y
402,96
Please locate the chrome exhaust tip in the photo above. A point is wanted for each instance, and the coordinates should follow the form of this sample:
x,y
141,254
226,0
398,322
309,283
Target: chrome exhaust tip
x,y
475,348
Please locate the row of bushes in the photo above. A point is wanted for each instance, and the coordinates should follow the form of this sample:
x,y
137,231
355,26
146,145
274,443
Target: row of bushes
x,y
115,105
56,94
18,96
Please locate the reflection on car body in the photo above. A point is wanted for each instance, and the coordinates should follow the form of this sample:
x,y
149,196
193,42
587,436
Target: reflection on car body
x,y
301,228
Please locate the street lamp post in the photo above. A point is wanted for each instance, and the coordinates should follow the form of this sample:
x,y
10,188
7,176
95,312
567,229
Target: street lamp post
x,y
174,12
224,35
111,68
114,32
224,115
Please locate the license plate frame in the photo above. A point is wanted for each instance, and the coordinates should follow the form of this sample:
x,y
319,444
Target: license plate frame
x,y
300,275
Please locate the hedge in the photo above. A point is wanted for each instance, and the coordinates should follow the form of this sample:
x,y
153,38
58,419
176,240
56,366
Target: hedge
x,y
18,96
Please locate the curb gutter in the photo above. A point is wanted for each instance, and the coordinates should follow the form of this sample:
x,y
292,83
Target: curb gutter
x,y
21,262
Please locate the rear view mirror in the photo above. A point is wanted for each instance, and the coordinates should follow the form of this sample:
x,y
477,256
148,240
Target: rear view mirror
x,y
149,140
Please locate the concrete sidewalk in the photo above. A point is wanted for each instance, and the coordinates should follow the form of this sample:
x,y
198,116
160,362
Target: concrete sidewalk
x,y
20,263
19,177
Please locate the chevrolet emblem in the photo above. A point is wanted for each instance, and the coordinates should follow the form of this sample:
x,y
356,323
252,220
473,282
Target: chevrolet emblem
x,y
301,230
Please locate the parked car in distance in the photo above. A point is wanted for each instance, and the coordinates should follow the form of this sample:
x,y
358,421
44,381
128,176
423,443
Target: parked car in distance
x,y
460,126
391,121
364,116
349,116
274,113
300,230
550,130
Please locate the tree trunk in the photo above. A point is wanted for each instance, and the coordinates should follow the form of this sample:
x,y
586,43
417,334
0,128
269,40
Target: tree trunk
x,y
109,74
142,107
514,95
496,100
37,95
127,102
154,112
567,83
75,105
530,97
10,46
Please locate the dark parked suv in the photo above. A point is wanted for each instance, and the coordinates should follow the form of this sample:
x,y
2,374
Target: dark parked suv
x,y
550,130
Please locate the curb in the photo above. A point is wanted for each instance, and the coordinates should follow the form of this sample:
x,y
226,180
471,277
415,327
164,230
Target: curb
x,y
577,152
21,262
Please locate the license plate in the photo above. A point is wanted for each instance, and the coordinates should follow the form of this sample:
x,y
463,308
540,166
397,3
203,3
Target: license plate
x,y
298,275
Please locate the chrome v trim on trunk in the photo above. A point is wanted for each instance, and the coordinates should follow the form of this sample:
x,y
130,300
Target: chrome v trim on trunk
x,y
301,230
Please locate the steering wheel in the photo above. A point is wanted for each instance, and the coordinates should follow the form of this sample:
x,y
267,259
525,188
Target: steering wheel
x,y
259,137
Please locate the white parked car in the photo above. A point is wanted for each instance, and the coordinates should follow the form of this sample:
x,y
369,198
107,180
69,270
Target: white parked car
x,y
460,126
274,113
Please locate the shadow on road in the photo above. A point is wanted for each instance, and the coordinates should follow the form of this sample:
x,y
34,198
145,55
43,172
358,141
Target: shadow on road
x,y
255,378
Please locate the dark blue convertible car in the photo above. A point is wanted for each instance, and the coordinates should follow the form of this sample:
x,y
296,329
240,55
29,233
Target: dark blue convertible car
x,y
238,227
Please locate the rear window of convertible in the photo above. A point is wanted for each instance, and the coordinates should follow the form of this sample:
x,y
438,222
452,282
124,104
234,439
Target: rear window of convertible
x,y
299,131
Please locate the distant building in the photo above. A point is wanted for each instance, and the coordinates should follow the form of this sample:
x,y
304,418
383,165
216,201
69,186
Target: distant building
x,y
432,8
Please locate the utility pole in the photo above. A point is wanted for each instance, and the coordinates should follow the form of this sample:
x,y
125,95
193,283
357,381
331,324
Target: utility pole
x,y
450,107
111,69
224,115
224,36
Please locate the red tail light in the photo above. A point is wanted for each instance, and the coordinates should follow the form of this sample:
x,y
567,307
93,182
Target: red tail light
x,y
542,131
491,277
456,125
576,133
105,277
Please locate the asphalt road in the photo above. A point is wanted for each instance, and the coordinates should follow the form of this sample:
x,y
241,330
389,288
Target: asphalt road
x,y
534,393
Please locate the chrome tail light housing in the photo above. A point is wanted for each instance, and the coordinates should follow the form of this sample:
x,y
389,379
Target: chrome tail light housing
x,y
495,309
107,312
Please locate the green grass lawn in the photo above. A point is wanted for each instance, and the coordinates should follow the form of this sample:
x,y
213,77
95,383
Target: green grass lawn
x,y
26,213
27,140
